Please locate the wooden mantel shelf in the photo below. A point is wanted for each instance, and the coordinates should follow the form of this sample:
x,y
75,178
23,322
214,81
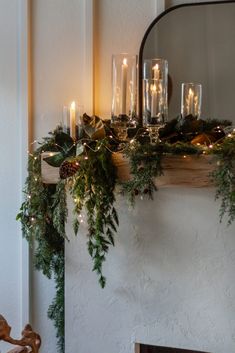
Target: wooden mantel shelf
x,y
186,171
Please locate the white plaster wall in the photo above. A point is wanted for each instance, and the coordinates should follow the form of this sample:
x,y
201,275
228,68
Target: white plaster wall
x,y
170,279
10,171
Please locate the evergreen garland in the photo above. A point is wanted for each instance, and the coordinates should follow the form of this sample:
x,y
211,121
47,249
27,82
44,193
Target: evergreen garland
x,y
43,215
224,177
145,166
93,188
88,173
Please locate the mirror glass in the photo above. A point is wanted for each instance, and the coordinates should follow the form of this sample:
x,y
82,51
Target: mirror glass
x,y
199,44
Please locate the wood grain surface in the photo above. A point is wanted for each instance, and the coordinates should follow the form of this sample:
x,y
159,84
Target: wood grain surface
x,y
186,171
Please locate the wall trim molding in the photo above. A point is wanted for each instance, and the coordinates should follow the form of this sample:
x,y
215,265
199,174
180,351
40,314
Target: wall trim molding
x,y
89,56
159,6
24,118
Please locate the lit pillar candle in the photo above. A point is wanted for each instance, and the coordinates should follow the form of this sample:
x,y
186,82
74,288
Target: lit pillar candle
x,y
196,106
190,101
124,85
154,101
156,72
73,120
133,92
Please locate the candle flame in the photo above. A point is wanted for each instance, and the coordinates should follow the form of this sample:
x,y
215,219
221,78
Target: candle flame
x,y
154,88
73,105
191,93
156,67
125,61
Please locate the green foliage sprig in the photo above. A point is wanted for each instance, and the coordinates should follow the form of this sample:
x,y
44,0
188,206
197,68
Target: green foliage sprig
x,y
145,165
224,177
43,215
93,188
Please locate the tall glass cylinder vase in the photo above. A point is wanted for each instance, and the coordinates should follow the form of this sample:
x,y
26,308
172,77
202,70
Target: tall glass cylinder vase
x,y
155,117
124,93
155,100
155,69
191,100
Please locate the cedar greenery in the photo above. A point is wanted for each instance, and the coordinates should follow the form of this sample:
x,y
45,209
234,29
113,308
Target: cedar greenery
x,y
224,177
93,188
43,213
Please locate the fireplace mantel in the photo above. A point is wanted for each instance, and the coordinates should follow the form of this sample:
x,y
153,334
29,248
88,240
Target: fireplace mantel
x,y
179,170
144,348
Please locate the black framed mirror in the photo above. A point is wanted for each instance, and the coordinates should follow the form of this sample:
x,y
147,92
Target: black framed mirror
x,y
197,40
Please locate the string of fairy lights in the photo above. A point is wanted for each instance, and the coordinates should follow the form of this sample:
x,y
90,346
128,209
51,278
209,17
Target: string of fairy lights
x,y
141,132
86,143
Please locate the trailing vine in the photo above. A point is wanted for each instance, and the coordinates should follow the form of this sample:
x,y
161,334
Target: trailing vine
x,y
88,173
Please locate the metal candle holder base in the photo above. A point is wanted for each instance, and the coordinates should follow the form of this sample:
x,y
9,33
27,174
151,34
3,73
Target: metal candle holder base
x,y
154,134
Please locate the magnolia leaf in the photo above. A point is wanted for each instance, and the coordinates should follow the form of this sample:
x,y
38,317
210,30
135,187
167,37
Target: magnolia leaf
x,y
63,140
94,127
56,160
79,149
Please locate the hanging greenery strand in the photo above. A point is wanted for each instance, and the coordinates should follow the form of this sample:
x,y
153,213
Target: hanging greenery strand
x,y
224,177
43,215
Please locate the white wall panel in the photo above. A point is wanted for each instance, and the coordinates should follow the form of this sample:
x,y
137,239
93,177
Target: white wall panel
x,y
59,50
119,28
13,143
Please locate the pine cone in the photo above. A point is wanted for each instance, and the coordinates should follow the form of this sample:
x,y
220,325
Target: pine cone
x,y
68,169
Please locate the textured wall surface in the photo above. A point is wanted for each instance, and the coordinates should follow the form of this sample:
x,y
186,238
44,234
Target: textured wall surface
x,y
170,279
